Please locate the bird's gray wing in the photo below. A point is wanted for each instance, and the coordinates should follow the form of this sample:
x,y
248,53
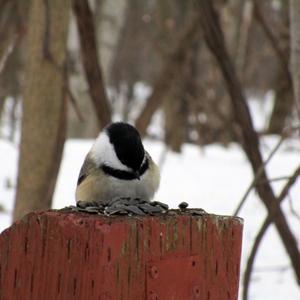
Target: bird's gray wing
x,y
85,170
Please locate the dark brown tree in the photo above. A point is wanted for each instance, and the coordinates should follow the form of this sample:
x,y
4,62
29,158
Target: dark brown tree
x,y
283,105
44,106
88,45
249,139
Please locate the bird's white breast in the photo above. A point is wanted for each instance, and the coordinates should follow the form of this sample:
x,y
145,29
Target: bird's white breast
x,y
144,188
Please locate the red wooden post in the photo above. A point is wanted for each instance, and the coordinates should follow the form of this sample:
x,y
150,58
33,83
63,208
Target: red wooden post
x,y
63,255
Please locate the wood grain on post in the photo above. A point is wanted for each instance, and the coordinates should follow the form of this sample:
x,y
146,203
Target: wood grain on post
x,y
60,255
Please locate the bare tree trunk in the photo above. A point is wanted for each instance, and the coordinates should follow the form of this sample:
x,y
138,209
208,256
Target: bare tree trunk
x,y
175,104
90,61
295,50
250,142
283,91
283,104
247,16
44,106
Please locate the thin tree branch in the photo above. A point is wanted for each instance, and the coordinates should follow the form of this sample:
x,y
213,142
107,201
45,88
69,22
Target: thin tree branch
x,y
86,29
214,39
281,178
261,233
277,268
257,176
292,209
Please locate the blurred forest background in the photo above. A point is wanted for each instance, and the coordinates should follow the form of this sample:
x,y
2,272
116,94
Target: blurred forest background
x,y
67,68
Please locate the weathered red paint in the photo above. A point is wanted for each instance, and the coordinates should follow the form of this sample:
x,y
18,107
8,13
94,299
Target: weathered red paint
x,y
59,255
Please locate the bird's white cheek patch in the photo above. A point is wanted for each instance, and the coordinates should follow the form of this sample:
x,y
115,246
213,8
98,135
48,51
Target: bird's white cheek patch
x,y
103,152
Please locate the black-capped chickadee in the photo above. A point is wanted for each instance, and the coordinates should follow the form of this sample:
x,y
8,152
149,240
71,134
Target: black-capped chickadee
x,y
117,166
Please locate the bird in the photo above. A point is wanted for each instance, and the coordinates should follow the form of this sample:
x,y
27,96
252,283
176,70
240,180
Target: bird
x,y
117,166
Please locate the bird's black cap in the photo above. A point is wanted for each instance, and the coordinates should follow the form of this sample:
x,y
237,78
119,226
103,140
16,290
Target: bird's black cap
x,y
127,143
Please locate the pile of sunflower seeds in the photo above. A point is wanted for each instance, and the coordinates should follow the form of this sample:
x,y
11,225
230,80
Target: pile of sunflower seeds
x,y
130,207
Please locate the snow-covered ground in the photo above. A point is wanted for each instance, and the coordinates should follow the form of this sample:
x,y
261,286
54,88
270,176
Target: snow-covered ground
x,y
213,178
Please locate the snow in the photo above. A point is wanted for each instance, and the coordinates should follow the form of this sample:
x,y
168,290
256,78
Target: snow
x,y
8,172
213,178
